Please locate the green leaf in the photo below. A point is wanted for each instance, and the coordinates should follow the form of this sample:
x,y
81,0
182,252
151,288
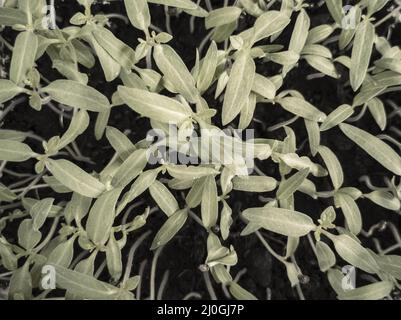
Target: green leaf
x,y
24,53
286,222
84,286
264,87
254,183
285,58
302,108
319,33
117,49
209,204
222,16
194,196
77,95
269,23
14,135
300,33
8,259
164,198
174,69
79,123
111,67
313,130
323,65
184,172
378,112
138,13
20,286
130,168
84,54
333,166
352,252
325,256
113,258
154,106
101,123
384,199
376,148
239,86
389,64
8,90
225,220
296,162
337,116
361,53
240,293
74,178
374,291
143,182
289,186
39,212
6,194
170,228
208,68
101,217
336,10
390,264
63,254
182,4
77,208
15,151
28,237
351,212
120,142
11,16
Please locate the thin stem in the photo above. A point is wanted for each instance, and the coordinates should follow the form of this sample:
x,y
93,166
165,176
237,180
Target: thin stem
x,y
209,285
163,285
153,273
131,254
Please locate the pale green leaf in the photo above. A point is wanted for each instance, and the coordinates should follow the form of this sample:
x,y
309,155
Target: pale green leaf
x,y
15,151
239,86
101,217
209,204
264,87
170,228
222,16
351,212
254,183
282,221
270,23
8,90
138,13
374,291
333,166
154,106
240,293
302,108
352,252
337,116
130,168
361,53
75,94
289,186
174,69
163,198
23,57
74,178
376,148
325,256
117,49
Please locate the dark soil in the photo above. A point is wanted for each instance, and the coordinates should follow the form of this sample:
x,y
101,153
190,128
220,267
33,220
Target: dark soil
x,y
183,255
